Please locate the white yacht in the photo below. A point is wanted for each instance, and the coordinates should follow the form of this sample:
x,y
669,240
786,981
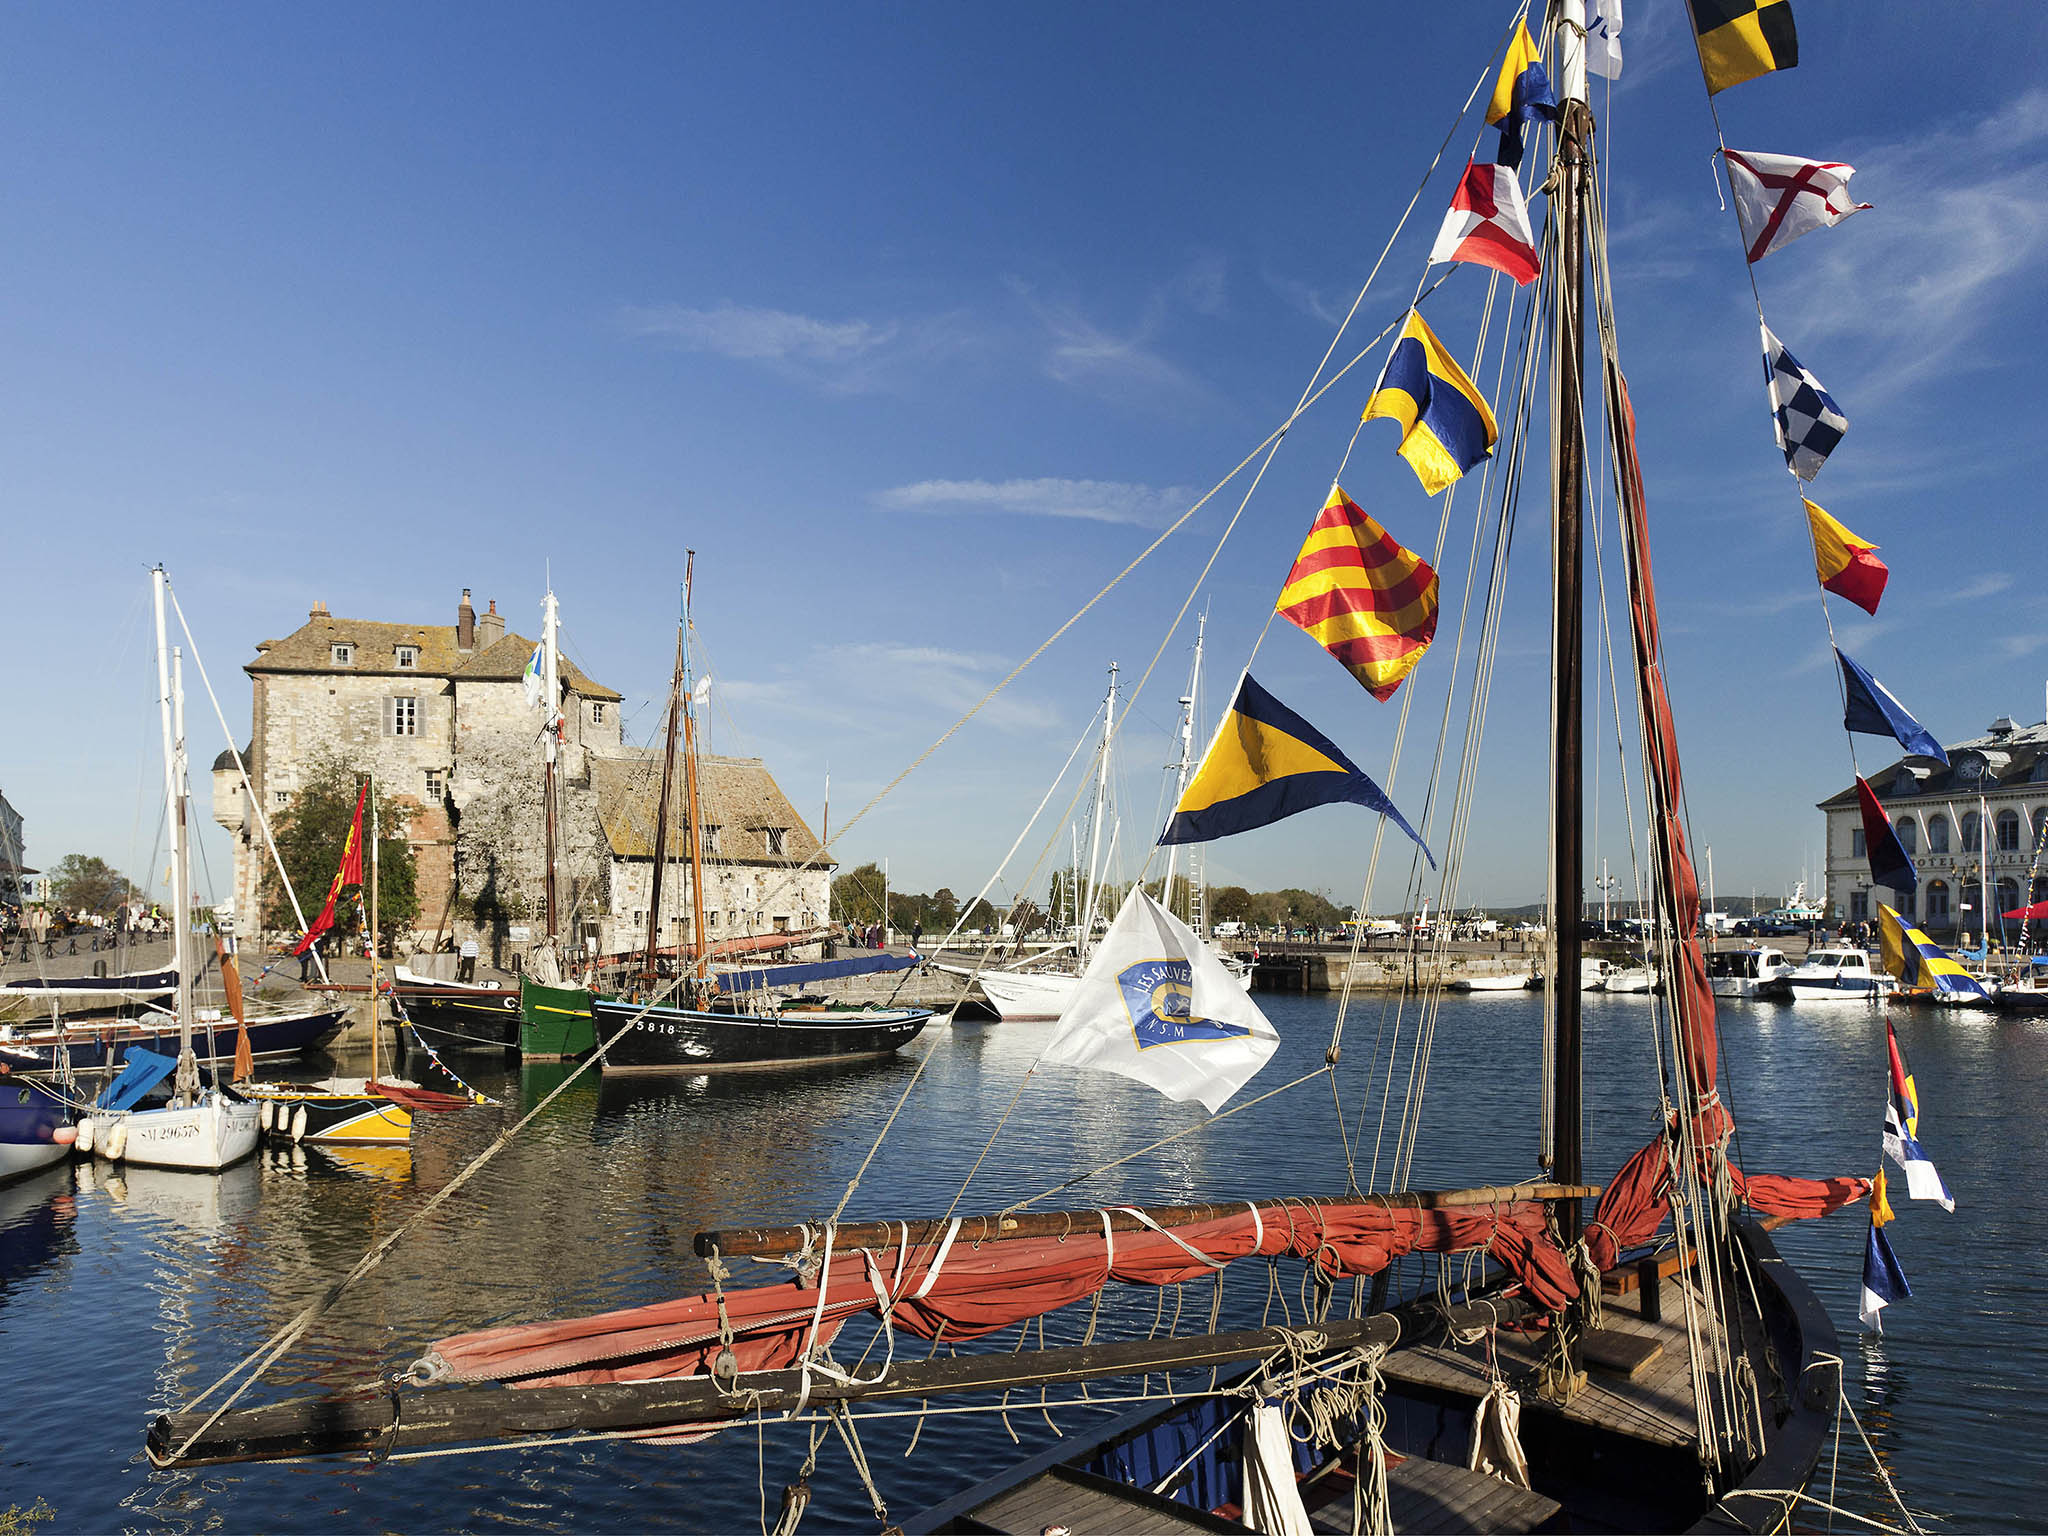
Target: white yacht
x,y
1755,972
1837,975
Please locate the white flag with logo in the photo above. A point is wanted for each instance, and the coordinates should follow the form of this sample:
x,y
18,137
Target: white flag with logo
x,y
1157,1005
1603,38
536,685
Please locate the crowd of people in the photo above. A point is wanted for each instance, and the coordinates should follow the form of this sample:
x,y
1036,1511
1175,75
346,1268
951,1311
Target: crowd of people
x,y
50,930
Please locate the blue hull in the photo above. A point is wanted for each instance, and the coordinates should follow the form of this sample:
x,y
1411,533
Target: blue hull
x,y
88,1042
30,1117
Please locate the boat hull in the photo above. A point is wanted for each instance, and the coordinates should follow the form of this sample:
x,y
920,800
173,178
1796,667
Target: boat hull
x,y
692,1040
30,1118
1841,989
352,1119
204,1137
449,1017
555,1023
97,1043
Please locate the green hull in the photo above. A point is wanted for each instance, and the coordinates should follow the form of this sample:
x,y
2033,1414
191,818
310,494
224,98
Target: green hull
x,y
555,1022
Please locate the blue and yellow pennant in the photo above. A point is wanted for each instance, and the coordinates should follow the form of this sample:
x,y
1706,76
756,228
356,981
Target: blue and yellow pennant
x,y
1266,763
1446,427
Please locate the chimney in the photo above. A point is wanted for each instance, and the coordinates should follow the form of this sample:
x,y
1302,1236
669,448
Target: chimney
x,y
490,629
465,624
319,610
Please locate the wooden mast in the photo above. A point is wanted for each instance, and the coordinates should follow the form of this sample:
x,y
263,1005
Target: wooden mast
x,y
696,838
1574,134
550,736
668,770
375,989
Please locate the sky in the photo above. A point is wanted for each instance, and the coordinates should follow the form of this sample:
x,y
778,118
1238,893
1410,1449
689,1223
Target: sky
x,y
918,323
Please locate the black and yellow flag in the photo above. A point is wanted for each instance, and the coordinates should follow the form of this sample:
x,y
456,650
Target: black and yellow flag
x,y
1741,39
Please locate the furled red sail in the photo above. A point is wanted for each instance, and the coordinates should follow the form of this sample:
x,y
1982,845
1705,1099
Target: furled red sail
x,y
972,1290
1636,1201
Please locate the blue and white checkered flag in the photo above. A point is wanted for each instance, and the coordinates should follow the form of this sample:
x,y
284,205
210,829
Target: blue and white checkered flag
x,y
1808,420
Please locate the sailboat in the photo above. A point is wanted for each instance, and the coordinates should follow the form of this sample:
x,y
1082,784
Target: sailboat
x,y
1566,1369
205,1128
711,1029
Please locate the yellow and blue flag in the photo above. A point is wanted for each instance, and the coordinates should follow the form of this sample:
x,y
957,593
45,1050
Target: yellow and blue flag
x,y
1884,1282
1917,961
1266,763
1446,427
1521,95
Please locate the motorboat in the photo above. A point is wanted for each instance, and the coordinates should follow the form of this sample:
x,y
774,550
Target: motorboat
x,y
1522,981
1756,972
1838,974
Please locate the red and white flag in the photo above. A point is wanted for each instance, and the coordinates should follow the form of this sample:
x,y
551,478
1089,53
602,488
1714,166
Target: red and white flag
x,y
1489,224
1778,198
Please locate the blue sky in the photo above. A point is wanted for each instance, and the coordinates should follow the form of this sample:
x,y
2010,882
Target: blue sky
x,y
918,323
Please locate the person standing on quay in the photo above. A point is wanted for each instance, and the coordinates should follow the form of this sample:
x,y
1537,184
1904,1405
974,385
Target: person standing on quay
x,y
465,969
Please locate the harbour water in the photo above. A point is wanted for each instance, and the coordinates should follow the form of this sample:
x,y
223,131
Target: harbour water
x,y
122,1295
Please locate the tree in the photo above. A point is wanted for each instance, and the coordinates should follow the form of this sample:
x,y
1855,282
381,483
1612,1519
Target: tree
x,y
857,896
1025,917
86,883
943,912
1231,904
311,833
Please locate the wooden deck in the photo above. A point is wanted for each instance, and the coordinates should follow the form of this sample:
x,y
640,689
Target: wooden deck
x,y
1654,1404
1426,1498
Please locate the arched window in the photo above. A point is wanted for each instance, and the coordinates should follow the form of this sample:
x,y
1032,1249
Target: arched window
x,y
2008,824
1937,833
1905,904
1973,833
1909,832
1937,902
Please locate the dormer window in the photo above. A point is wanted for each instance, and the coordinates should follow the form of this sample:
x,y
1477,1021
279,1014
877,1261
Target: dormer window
x,y
597,714
408,658
778,838
710,839
342,655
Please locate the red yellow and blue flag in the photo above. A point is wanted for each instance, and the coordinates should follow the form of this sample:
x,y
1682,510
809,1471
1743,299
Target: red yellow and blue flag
x,y
1446,426
1902,1131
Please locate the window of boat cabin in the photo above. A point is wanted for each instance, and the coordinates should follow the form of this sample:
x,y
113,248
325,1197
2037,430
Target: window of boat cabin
x,y
436,784
407,657
1972,832
778,836
1937,901
1909,833
1855,842
1937,833
2008,824
402,717
342,655
1859,906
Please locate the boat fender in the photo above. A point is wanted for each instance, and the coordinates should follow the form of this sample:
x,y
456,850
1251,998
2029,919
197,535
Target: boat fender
x,y
64,1135
299,1123
263,1114
117,1141
84,1141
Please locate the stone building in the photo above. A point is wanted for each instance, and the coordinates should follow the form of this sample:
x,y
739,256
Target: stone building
x,y
1983,818
424,707
17,881
439,714
764,869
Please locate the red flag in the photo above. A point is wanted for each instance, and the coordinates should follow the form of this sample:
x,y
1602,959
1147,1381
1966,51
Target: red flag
x,y
1489,224
350,873
1846,564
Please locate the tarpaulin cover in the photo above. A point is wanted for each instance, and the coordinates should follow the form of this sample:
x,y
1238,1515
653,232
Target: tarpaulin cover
x,y
972,1291
1637,1198
817,970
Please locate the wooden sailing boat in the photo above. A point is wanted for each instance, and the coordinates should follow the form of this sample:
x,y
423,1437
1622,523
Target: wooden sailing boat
x,y
1699,1396
709,1030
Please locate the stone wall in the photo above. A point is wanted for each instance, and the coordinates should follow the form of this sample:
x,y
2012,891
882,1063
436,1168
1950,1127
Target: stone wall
x,y
738,899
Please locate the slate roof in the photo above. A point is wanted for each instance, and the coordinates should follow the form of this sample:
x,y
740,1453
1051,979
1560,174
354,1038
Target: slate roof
x,y
735,794
2005,759
309,649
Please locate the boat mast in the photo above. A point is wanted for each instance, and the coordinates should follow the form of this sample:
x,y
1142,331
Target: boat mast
x,y
1568,468
1101,807
668,773
169,708
375,1071
1180,778
696,839
550,736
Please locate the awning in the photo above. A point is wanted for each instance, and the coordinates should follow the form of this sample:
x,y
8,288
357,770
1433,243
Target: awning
x,y
820,970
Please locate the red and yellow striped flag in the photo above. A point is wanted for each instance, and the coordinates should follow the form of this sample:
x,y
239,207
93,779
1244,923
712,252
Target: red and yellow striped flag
x,y
1844,563
1361,596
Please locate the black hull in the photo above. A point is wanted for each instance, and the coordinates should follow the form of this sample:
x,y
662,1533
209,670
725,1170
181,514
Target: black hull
x,y
462,1021
89,1041
689,1040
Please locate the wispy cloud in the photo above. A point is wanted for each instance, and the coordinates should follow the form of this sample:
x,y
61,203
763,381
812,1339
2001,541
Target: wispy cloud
x,y
1100,501
845,356
1983,586
1086,354
948,681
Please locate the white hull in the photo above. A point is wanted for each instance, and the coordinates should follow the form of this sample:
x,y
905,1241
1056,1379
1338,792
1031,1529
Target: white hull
x,y
206,1136
1629,981
17,1158
1521,983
